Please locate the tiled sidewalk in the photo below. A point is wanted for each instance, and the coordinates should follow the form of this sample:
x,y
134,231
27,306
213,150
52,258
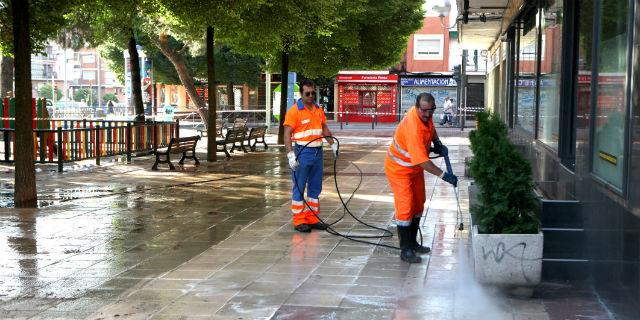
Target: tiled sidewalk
x,y
224,248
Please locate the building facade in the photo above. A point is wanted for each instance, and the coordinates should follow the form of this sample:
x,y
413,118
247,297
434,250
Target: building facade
x,y
563,75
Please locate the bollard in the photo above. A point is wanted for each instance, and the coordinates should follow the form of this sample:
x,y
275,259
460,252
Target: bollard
x,y
347,118
60,157
372,119
155,136
340,115
97,146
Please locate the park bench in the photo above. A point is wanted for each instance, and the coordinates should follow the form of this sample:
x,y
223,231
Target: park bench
x,y
255,134
235,137
178,145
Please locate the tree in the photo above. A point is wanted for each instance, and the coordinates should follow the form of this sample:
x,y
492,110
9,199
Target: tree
x,y
115,24
176,18
85,94
25,180
45,91
24,27
110,97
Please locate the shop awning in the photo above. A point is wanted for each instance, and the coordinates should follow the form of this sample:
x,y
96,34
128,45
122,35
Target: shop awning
x,y
486,21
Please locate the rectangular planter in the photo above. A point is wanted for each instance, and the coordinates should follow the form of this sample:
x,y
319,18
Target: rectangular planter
x,y
511,260
473,201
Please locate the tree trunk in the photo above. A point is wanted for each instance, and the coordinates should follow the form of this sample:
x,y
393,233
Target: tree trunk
x,y
231,96
162,42
25,195
6,81
136,81
284,88
213,96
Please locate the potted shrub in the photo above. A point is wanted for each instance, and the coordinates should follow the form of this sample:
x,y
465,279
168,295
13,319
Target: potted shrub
x,y
506,238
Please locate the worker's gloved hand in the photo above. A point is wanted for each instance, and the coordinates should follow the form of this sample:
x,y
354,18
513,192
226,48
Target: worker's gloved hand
x,y
334,148
439,148
451,178
293,163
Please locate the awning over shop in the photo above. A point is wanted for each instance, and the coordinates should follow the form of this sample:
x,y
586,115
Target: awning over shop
x,y
481,22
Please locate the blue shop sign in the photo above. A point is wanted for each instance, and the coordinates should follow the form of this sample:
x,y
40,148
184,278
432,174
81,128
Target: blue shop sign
x,y
428,82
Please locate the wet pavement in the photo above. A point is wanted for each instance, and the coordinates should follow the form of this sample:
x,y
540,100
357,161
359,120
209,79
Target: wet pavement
x,y
120,241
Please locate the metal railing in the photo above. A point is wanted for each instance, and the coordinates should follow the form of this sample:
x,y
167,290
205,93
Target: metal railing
x,y
76,140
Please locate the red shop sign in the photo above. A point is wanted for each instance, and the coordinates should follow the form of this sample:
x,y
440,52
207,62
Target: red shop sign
x,y
375,78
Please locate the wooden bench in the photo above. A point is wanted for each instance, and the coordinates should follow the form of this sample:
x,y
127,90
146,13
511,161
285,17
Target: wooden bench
x,y
255,134
235,137
178,145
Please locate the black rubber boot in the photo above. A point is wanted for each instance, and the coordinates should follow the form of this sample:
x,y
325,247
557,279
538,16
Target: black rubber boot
x,y
303,228
319,226
407,253
415,225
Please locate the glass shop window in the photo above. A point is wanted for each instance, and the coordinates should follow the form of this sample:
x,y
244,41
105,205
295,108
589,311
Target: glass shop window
x,y
550,67
610,116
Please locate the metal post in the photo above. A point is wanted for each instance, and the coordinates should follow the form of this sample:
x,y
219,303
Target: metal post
x,y
372,121
347,118
97,145
7,145
155,136
129,142
340,115
267,96
60,157
463,88
178,128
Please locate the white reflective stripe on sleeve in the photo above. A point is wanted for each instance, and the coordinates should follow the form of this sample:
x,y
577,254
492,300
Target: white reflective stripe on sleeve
x,y
296,211
402,151
307,133
296,203
398,160
403,223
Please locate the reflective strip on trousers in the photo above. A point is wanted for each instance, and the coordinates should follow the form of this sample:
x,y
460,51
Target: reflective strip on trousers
x,y
297,207
398,160
403,223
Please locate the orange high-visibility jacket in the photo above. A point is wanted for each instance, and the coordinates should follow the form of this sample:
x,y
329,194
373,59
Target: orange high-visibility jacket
x,y
306,125
410,145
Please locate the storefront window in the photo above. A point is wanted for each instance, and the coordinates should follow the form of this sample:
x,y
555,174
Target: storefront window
x,y
610,116
526,83
550,63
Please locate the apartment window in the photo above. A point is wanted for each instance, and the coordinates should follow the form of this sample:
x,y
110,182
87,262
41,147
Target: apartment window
x,y
88,58
611,104
88,75
428,47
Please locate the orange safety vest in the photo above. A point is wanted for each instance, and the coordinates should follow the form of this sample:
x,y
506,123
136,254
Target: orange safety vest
x,y
306,124
410,145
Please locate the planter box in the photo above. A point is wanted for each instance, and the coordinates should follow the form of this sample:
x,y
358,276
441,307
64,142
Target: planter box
x,y
474,191
467,167
508,260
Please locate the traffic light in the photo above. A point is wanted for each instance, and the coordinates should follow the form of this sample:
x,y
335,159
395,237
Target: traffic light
x,y
456,74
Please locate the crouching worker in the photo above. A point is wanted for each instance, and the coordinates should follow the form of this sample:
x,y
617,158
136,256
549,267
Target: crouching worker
x,y
304,123
405,163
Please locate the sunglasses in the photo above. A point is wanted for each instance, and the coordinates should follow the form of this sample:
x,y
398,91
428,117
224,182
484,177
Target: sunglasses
x,y
427,110
308,94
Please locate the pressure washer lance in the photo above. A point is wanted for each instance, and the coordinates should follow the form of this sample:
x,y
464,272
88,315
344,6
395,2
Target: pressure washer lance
x,y
455,191
357,238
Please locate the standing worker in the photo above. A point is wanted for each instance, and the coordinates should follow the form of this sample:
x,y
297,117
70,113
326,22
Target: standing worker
x,y
304,122
404,165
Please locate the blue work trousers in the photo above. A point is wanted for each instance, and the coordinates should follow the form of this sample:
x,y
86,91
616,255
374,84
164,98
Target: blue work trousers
x,y
308,174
